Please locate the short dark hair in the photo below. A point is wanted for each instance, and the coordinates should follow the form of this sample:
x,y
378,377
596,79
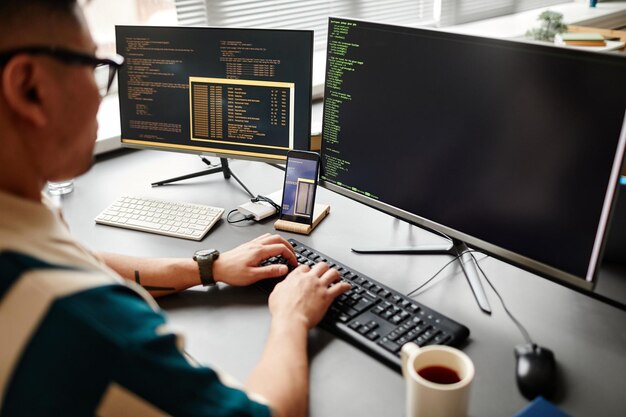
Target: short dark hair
x,y
10,8
17,10
16,15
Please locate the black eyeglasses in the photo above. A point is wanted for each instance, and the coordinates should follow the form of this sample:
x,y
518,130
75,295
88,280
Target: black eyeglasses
x,y
72,58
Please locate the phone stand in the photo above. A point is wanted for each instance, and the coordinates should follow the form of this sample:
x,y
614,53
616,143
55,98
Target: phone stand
x,y
319,212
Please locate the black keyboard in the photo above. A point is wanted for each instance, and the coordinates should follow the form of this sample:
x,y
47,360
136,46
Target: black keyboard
x,y
375,318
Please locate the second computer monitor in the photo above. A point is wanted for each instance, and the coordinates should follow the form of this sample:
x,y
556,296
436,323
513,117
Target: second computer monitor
x,y
513,148
241,93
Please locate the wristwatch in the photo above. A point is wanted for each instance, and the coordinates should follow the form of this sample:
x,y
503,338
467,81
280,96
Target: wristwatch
x,y
205,259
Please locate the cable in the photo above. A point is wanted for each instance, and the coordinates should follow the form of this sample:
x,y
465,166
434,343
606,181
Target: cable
x,y
282,168
245,218
267,200
433,277
205,160
249,213
438,272
519,325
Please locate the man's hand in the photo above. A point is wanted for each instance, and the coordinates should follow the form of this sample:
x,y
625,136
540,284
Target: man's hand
x,y
306,294
240,266
297,304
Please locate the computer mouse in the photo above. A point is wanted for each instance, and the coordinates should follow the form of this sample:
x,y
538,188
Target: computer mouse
x,y
535,370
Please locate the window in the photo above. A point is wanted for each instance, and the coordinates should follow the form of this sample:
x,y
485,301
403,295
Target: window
x,y
102,16
454,12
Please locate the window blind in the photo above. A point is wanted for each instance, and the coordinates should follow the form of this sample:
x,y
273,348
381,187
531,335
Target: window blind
x,y
191,12
455,12
313,14
298,14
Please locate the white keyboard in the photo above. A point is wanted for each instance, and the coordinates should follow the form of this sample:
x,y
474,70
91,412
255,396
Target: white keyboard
x,y
184,220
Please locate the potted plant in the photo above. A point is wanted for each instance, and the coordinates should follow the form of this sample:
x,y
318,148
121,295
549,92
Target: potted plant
x,y
551,25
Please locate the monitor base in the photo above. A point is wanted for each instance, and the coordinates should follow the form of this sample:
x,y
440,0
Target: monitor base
x,y
223,168
455,248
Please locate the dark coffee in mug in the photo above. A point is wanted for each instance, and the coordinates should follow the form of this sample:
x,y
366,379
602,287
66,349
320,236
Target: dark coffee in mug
x,y
439,374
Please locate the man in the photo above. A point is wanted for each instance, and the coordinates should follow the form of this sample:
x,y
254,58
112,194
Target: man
x,y
76,339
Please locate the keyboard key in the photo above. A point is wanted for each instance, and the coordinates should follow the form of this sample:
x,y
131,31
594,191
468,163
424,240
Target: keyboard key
x,y
390,345
363,304
394,335
423,339
412,308
396,319
363,329
401,341
372,325
343,317
378,309
373,335
396,299
142,223
440,339
387,314
355,325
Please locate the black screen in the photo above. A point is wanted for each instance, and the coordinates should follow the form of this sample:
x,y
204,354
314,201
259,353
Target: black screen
x,y
512,147
231,92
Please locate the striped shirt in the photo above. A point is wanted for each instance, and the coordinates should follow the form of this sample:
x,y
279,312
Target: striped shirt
x,y
78,340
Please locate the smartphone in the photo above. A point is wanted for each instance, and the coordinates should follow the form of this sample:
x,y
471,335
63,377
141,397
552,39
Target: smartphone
x,y
300,186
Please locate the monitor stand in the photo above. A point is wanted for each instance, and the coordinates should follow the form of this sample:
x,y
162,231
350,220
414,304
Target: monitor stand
x,y
455,248
223,168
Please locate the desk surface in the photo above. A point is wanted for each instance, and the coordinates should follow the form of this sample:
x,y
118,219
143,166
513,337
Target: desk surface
x,y
226,327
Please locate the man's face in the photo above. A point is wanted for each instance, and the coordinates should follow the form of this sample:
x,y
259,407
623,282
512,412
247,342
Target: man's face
x,y
75,100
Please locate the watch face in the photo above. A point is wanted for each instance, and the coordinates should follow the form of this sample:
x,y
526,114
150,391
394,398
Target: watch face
x,y
206,252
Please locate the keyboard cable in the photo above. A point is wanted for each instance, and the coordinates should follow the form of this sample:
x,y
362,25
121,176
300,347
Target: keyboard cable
x,y
517,323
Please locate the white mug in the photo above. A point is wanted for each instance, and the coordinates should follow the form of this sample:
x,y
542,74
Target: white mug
x,y
452,371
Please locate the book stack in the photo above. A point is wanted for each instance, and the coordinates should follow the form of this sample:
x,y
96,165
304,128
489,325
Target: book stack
x,y
579,39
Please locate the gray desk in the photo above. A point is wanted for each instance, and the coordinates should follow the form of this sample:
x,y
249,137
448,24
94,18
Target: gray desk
x,y
226,327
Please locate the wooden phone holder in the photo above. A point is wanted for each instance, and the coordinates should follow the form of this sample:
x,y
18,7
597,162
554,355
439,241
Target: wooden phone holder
x,y
319,212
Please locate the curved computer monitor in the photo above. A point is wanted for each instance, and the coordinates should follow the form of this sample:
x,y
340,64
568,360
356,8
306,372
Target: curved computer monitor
x,y
234,93
511,147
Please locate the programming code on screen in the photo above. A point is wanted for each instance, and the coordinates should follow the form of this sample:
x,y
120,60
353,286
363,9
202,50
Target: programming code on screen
x,y
228,91
338,65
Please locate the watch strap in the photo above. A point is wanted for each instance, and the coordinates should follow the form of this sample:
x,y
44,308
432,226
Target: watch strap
x,y
205,265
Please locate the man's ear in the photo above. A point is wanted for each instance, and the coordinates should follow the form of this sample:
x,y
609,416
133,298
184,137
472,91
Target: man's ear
x,y
22,81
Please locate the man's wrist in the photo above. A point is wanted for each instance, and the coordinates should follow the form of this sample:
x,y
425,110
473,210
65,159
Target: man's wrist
x,y
293,323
